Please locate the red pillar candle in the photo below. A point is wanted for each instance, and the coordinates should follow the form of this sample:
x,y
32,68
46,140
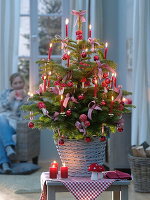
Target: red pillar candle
x,y
68,59
95,88
61,104
53,172
105,50
55,164
44,77
66,22
113,80
64,171
90,31
50,51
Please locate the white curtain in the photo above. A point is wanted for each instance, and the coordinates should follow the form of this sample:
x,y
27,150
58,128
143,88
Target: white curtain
x,y
9,34
141,72
93,16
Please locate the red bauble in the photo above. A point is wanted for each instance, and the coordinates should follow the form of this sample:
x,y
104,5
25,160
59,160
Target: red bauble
x,y
68,112
56,83
63,84
79,37
104,84
70,84
87,139
31,125
107,81
83,54
79,32
105,75
103,103
96,58
129,101
65,56
103,138
41,105
83,118
61,142
81,97
120,129
87,123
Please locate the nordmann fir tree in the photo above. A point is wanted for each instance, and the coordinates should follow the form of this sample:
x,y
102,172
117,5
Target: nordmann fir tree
x,y
80,99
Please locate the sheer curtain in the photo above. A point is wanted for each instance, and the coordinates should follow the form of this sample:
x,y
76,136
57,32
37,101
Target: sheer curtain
x,y
9,34
141,72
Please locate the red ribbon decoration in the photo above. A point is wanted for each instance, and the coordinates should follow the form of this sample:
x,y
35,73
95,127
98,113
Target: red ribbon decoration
x,y
80,127
67,99
91,108
79,14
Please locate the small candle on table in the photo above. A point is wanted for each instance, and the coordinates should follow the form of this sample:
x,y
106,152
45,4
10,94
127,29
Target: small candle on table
x,y
105,50
64,171
55,164
61,104
49,82
95,88
90,31
68,59
50,51
53,172
66,22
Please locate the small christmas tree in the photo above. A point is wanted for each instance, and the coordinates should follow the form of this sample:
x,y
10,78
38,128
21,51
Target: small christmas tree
x,y
79,99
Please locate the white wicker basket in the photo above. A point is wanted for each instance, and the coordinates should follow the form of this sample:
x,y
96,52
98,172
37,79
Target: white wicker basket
x,y
78,155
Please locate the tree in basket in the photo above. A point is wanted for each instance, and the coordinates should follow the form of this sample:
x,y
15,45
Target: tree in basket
x,y
80,99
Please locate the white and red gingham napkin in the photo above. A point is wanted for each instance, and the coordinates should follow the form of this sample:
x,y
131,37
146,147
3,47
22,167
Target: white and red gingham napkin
x,y
81,188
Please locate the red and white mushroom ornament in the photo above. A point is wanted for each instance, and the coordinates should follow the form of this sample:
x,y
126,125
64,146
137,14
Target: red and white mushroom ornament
x,y
96,169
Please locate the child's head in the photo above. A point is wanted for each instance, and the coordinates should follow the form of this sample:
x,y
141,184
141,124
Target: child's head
x,y
17,81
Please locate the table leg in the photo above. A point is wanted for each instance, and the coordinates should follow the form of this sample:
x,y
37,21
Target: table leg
x,y
124,192
50,193
116,195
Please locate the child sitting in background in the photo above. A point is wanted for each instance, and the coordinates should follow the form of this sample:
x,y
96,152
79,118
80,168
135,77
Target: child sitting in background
x,y
10,102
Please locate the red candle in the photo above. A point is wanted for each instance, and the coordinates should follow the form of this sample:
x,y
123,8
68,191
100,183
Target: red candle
x,y
61,104
90,31
53,172
55,164
111,104
68,59
95,88
44,82
113,80
66,22
50,51
106,50
64,171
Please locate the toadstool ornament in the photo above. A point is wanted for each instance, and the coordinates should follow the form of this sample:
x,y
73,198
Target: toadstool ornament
x,y
94,168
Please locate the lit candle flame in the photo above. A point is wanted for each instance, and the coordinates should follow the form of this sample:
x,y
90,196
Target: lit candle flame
x,y
112,98
68,53
115,74
106,44
50,45
95,81
86,49
44,77
64,165
53,165
123,99
61,97
66,21
49,73
30,94
54,161
90,26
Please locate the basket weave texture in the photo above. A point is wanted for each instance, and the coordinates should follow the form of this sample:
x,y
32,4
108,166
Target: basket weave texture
x,y
140,169
78,155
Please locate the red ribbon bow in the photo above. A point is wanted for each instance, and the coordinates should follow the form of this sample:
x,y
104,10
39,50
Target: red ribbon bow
x,y
79,14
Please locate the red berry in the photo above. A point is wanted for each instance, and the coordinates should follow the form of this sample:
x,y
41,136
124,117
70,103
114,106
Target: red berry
x,y
87,123
88,139
68,112
120,129
61,142
70,84
104,84
103,138
103,103
96,58
65,56
107,80
31,125
79,32
83,54
41,105
105,75
81,97
83,117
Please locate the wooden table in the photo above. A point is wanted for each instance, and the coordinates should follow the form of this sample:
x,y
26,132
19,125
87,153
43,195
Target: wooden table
x,y
119,188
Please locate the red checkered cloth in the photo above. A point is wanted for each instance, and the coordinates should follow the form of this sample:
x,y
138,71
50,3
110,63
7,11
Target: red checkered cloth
x,y
81,188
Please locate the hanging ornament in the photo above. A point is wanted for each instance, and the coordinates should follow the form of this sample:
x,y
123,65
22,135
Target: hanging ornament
x,y
107,81
68,112
96,58
104,84
103,103
83,117
105,75
61,142
87,123
56,83
83,54
65,56
83,80
87,83
87,139
31,125
70,84
41,105
102,138
81,97
120,129
79,35
63,85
